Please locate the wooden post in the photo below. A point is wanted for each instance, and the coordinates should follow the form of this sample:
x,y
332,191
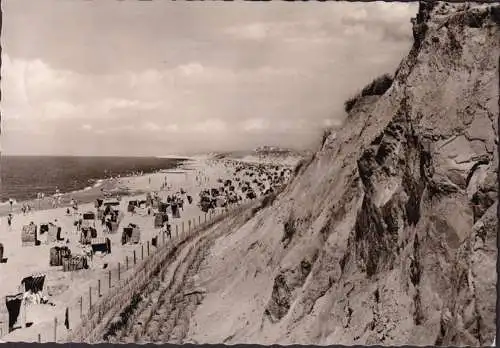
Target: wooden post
x,y
39,338
135,258
126,263
109,279
142,252
66,318
199,220
176,230
205,217
90,298
98,288
55,329
148,246
119,271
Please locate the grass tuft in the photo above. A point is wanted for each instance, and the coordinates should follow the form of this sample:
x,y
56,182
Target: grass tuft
x,y
378,86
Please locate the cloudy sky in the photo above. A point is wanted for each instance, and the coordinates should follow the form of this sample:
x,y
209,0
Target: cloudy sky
x,y
164,77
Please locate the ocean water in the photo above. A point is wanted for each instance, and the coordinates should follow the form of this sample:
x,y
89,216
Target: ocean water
x,y
23,176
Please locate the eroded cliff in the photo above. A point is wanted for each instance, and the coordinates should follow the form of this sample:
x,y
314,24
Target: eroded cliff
x,y
388,235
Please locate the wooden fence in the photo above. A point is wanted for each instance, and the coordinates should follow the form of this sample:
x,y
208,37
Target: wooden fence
x,y
104,299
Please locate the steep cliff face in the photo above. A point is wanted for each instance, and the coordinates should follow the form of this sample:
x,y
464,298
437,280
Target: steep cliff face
x,y
388,235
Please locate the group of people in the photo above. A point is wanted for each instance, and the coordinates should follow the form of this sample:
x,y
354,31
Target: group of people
x,y
74,205
26,208
108,217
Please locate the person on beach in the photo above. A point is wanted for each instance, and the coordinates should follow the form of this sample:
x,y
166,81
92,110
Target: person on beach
x,y
79,223
9,220
167,230
109,226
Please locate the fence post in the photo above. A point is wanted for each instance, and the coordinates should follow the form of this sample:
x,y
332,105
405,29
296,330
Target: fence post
x,y
109,279
90,298
205,217
119,271
126,263
98,288
55,329
176,230
135,258
148,246
199,220
142,252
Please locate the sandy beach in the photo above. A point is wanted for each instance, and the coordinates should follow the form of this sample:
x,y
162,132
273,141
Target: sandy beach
x,y
59,285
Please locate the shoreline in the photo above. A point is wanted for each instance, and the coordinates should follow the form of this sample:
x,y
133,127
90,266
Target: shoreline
x,y
117,186
24,191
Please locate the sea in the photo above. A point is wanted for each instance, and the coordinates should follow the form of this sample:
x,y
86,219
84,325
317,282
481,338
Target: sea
x,y
22,177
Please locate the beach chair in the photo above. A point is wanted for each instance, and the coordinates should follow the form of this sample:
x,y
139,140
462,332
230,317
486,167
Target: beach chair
x,y
162,207
100,214
13,304
136,236
53,233
44,228
126,234
29,235
89,215
57,254
33,283
86,235
74,263
131,234
160,218
101,244
175,211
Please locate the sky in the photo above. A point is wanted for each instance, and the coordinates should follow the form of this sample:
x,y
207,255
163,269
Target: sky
x,y
153,78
